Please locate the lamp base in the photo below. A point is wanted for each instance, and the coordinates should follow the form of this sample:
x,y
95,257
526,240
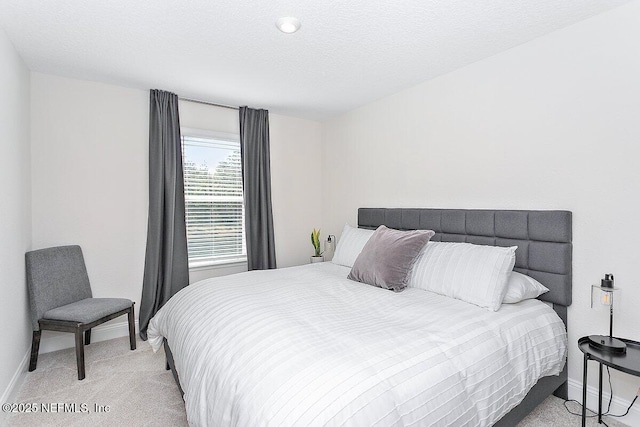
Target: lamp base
x,y
606,343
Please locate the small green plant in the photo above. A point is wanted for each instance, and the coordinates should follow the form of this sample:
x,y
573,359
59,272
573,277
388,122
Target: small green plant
x,y
315,241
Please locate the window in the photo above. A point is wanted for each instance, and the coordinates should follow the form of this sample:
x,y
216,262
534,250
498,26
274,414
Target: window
x,y
213,198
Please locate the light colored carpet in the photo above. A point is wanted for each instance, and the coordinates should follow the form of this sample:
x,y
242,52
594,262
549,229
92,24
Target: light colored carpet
x,y
140,392
135,385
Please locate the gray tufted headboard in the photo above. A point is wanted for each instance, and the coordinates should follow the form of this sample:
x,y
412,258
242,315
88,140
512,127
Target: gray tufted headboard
x,y
543,239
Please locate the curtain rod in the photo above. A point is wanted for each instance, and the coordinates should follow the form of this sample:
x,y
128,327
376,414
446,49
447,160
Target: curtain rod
x,y
208,103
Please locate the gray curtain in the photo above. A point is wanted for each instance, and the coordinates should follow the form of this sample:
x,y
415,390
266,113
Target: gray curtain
x,y
256,182
166,267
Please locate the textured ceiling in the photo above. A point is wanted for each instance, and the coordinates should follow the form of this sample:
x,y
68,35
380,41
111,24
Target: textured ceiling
x,y
346,54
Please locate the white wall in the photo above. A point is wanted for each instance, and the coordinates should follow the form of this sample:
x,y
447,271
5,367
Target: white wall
x,y
90,179
552,124
89,144
296,186
15,214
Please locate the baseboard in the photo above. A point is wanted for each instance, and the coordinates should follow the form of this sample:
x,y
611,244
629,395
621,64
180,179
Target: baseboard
x,y
54,341
10,393
618,406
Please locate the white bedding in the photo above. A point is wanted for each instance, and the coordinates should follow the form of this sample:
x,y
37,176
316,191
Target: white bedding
x,y
305,346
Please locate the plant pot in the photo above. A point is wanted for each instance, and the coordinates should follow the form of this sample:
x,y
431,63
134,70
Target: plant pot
x,y
315,259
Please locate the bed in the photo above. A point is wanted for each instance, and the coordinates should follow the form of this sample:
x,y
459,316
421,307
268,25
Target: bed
x,y
306,346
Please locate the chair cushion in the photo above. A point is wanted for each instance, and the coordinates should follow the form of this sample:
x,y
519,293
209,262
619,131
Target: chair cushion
x,y
88,310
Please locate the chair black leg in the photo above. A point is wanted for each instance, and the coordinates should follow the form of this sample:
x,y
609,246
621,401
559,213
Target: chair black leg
x,y
132,328
80,353
87,337
35,346
166,366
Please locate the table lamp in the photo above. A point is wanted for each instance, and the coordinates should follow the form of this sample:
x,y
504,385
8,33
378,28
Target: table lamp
x,y
603,295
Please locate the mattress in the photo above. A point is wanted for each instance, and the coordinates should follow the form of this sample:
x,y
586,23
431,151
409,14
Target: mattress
x,y
306,346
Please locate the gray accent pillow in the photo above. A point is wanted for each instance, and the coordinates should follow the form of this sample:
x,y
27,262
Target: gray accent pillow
x,y
388,256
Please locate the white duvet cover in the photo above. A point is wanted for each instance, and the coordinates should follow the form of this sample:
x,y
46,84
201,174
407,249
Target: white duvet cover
x,y
304,346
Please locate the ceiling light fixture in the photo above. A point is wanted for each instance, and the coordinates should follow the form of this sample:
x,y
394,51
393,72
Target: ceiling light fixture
x,y
288,24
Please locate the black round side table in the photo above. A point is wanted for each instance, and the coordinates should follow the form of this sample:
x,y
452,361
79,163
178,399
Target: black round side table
x,y
628,362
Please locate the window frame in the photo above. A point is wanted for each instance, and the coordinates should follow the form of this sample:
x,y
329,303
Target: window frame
x,y
222,261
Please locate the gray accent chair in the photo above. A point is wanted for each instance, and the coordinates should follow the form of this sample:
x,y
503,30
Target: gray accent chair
x,y
61,300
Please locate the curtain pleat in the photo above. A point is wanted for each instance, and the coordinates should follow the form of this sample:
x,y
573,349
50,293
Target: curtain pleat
x,y
256,181
166,268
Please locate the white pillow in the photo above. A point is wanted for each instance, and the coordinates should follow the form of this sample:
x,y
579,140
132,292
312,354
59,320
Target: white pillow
x,y
476,274
521,287
350,244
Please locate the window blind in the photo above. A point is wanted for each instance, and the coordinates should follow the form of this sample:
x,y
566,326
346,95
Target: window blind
x,y
213,200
